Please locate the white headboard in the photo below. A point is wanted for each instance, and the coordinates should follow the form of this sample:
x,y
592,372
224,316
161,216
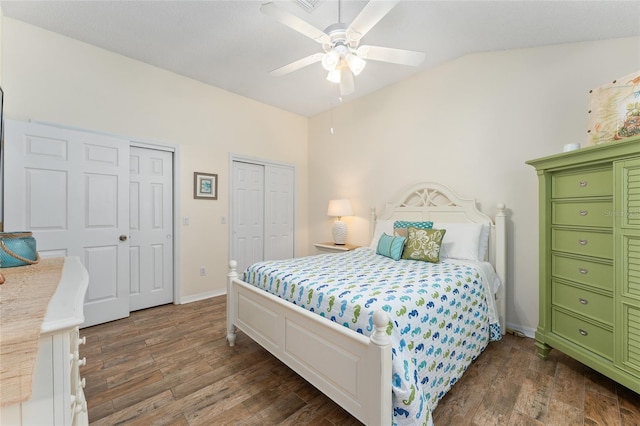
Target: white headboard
x,y
439,203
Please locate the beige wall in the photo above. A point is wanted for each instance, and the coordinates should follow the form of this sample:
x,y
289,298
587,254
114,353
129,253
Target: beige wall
x,y
470,124
51,78
1,148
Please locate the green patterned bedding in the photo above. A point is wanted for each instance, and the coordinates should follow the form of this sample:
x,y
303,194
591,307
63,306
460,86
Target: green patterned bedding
x,y
442,315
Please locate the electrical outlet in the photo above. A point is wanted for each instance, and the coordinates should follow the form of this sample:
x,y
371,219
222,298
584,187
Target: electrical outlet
x,y
203,271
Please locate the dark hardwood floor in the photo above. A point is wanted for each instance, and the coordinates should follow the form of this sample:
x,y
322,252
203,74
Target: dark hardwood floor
x,y
172,365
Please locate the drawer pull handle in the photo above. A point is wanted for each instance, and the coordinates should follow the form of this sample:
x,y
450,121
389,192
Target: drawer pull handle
x,y
583,270
582,183
583,301
583,242
584,212
583,332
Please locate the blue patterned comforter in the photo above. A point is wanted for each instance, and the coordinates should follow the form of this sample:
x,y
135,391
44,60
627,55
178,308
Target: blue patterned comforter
x,y
442,315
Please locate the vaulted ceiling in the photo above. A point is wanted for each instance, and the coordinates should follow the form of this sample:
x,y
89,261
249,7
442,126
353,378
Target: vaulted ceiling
x,y
232,45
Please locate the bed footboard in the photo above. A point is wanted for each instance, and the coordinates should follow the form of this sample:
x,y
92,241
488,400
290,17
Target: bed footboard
x,y
351,369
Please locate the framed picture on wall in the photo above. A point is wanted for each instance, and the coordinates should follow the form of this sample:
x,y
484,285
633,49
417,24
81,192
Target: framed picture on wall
x,y
205,186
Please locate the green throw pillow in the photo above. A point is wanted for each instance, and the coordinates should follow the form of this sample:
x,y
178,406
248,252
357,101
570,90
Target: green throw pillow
x,y
423,244
390,246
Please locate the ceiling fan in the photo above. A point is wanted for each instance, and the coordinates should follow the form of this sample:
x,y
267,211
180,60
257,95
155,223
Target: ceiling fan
x,y
343,55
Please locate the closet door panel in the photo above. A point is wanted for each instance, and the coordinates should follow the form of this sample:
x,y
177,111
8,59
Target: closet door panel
x,y
70,188
247,214
279,212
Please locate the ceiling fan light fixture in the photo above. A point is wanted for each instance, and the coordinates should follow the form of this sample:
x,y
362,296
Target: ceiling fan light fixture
x,y
334,75
330,60
356,64
343,56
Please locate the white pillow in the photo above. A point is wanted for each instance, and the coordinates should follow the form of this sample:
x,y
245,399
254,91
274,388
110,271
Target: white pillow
x,y
382,226
484,242
461,241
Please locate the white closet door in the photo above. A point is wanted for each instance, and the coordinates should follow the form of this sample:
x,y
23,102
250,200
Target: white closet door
x,y
279,212
151,228
262,212
247,213
71,189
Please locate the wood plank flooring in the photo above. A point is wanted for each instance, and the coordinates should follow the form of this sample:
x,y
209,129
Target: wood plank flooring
x,y
171,365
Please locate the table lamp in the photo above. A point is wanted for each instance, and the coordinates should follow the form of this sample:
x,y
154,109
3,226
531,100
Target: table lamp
x,y
339,208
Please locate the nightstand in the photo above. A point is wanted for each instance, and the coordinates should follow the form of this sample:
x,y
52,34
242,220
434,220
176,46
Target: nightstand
x,y
334,248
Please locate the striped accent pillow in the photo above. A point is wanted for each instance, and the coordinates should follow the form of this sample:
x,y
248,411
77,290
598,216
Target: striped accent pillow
x,y
390,246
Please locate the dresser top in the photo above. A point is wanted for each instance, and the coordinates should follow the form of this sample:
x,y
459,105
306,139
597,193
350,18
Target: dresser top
x,y
38,299
65,309
589,155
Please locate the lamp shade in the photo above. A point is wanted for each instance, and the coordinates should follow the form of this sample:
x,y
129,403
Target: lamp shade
x,y
339,208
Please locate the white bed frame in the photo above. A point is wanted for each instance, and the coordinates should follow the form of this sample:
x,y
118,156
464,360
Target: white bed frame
x,y
351,369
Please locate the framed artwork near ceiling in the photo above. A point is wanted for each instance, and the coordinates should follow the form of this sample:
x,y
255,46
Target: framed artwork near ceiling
x,y
205,186
614,110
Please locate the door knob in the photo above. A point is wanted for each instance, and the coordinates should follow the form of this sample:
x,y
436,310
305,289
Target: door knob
x,y
123,238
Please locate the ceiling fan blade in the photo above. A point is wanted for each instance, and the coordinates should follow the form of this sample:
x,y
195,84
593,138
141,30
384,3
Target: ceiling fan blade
x,y
369,16
300,63
388,54
295,23
347,86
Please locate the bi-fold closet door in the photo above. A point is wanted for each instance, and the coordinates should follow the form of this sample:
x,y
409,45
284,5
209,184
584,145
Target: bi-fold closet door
x,y
102,199
262,212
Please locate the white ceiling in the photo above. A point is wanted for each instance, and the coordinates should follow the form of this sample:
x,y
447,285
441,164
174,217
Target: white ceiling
x,y
232,45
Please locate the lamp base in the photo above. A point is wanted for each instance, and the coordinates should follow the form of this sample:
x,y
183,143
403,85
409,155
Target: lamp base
x,y
339,231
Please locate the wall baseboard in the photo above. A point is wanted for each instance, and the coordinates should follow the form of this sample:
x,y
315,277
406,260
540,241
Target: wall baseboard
x,y
520,330
202,296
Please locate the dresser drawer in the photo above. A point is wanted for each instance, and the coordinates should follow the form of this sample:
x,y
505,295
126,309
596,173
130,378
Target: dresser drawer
x,y
594,274
582,301
590,213
588,243
585,334
591,183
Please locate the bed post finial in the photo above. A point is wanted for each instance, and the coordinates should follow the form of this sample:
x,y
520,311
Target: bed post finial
x,y
381,321
231,303
232,268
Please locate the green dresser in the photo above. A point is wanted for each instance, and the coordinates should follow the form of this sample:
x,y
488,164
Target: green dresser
x,y
589,203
